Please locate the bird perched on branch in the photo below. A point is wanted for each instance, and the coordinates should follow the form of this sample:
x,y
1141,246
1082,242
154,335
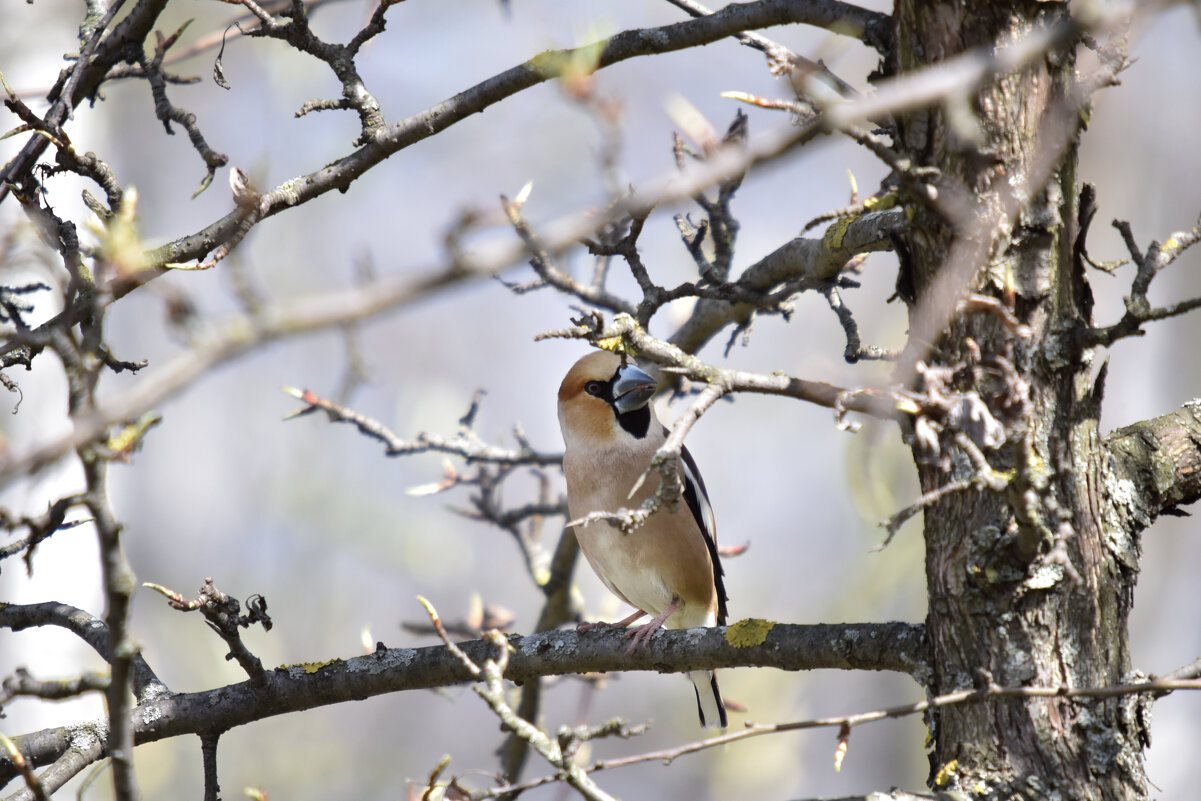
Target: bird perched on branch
x,y
668,567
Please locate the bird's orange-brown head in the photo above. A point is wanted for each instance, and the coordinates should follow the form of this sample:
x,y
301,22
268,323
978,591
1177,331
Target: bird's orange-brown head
x,y
605,397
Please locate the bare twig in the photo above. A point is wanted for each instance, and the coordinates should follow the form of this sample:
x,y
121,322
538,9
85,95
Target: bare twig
x,y
845,723
466,444
480,618
493,465
874,402
893,524
1138,308
855,349
88,628
1189,671
240,334
39,528
167,112
781,60
81,80
550,275
340,59
493,692
23,684
224,616
560,605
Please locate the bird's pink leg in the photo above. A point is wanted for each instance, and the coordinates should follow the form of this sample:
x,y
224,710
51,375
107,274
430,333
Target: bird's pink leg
x,y
621,624
643,633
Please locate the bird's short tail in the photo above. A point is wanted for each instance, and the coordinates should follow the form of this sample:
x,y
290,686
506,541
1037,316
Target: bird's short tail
x,y
709,706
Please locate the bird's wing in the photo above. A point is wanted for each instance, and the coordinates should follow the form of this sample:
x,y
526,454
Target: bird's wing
x,y
697,499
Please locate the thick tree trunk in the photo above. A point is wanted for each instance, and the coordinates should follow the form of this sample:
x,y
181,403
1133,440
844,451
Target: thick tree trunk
x,y
1029,584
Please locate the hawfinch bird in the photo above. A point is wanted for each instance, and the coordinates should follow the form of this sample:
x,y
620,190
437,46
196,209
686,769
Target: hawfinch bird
x,y
667,568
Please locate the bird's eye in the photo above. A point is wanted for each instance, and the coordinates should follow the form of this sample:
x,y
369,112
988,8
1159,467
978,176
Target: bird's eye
x,y
594,388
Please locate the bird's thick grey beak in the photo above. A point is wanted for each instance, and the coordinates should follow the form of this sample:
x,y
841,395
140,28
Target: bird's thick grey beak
x,y
632,389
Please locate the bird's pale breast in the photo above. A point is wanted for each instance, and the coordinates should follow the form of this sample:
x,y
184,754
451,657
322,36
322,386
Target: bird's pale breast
x,y
663,559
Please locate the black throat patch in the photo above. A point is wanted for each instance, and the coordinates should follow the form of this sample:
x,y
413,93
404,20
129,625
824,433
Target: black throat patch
x,y
637,422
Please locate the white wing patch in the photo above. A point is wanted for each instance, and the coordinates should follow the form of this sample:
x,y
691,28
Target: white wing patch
x,y
692,480
698,503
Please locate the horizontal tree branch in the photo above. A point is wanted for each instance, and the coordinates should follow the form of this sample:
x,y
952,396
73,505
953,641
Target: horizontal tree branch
x,y
883,404
839,17
21,683
804,263
897,647
1161,460
89,628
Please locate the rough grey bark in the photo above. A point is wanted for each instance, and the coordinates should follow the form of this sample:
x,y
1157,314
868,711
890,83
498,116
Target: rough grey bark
x,y
1030,582
160,714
